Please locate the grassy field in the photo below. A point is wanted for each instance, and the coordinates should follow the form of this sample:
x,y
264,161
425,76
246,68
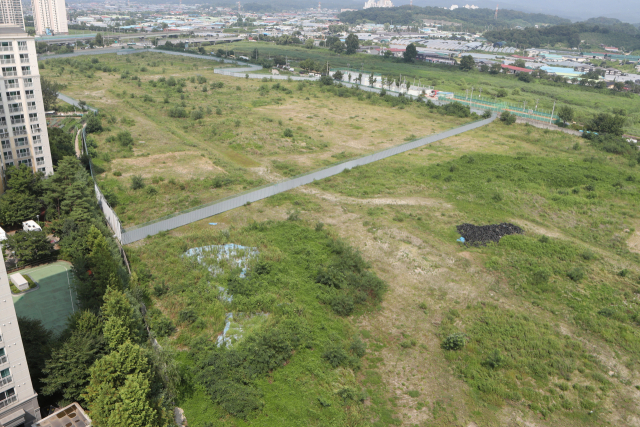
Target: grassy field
x,y
195,137
549,318
587,102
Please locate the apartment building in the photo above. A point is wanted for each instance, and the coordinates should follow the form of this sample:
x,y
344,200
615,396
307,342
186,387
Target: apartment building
x,y
11,13
18,400
23,128
50,17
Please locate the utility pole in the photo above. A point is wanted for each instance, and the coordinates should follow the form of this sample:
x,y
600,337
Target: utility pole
x,y
552,111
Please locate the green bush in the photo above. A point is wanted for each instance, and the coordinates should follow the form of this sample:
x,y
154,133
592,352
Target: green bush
x,y
454,341
576,274
335,355
137,182
507,118
187,316
288,133
177,112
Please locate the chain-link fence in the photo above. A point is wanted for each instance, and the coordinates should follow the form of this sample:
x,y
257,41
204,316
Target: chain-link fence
x,y
519,110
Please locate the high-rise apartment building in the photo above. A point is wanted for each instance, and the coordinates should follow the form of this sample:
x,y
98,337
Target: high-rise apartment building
x,y
18,400
49,17
11,13
23,128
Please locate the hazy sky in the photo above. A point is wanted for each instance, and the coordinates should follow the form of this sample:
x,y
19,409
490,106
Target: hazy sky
x,y
624,10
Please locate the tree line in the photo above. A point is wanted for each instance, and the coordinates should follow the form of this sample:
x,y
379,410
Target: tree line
x,y
103,358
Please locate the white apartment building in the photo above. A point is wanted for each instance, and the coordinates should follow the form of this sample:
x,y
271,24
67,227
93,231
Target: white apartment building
x,y
18,400
49,17
23,128
11,13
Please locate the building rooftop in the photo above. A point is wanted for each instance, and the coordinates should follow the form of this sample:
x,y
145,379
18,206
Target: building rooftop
x,y
70,416
11,30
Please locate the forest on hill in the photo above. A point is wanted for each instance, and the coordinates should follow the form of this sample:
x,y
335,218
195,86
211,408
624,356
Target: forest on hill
x,y
481,18
603,30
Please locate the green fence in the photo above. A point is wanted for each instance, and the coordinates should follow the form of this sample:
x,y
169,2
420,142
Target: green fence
x,y
519,110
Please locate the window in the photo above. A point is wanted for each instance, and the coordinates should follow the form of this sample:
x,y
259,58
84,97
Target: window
x,y
19,130
39,161
12,96
23,152
26,71
7,397
29,93
6,144
25,162
18,118
37,150
28,82
31,106
33,117
11,83
6,46
42,169
21,142
8,164
4,373
9,71
8,155
5,377
24,58
36,139
7,59
3,356
22,45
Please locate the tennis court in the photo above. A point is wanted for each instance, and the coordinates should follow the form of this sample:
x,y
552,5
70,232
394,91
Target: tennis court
x,y
53,301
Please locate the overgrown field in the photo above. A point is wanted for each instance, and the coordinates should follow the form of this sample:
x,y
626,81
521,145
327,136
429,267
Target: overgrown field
x,y
194,137
538,329
587,101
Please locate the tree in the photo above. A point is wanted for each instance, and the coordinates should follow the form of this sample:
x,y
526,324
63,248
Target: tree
x,y
67,371
94,124
410,53
61,144
337,47
607,123
519,63
133,408
255,54
352,44
337,75
21,201
99,41
372,80
467,63
495,68
50,91
36,340
388,53
68,170
108,375
507,118
120,321
30,246
309,43
566,113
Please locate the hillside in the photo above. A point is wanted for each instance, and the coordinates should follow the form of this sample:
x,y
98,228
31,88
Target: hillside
x,y
478,18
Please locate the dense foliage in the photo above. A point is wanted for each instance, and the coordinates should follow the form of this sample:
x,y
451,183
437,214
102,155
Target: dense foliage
x,y
571,35
407,15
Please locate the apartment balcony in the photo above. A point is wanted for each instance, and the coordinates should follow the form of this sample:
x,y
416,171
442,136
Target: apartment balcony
x,y
7,61
36,130
3,122
26,72
6,380
3,360
17,121
11,85
40,163
23,155
21,131
31,96
10,73
13,98
15,110
24,60
4,134
8,401
6,48
28,84
32,108
38,151
22,48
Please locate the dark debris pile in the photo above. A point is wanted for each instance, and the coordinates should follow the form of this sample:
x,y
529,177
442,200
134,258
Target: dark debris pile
x,y
482,234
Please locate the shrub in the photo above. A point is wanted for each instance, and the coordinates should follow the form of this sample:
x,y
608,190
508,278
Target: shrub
x,y
137,182
163,327
540,277
177,112
187,316
151,190
288,133
197,115
358,348
326,81
486,114
454,341
117,173
507,118
335,355
576,274
495,360
342,305
125,139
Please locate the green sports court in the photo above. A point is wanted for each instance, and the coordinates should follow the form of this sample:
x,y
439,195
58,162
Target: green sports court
x,y
53,300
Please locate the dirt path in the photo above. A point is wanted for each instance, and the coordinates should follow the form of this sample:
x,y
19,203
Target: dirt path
x,y
78,148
